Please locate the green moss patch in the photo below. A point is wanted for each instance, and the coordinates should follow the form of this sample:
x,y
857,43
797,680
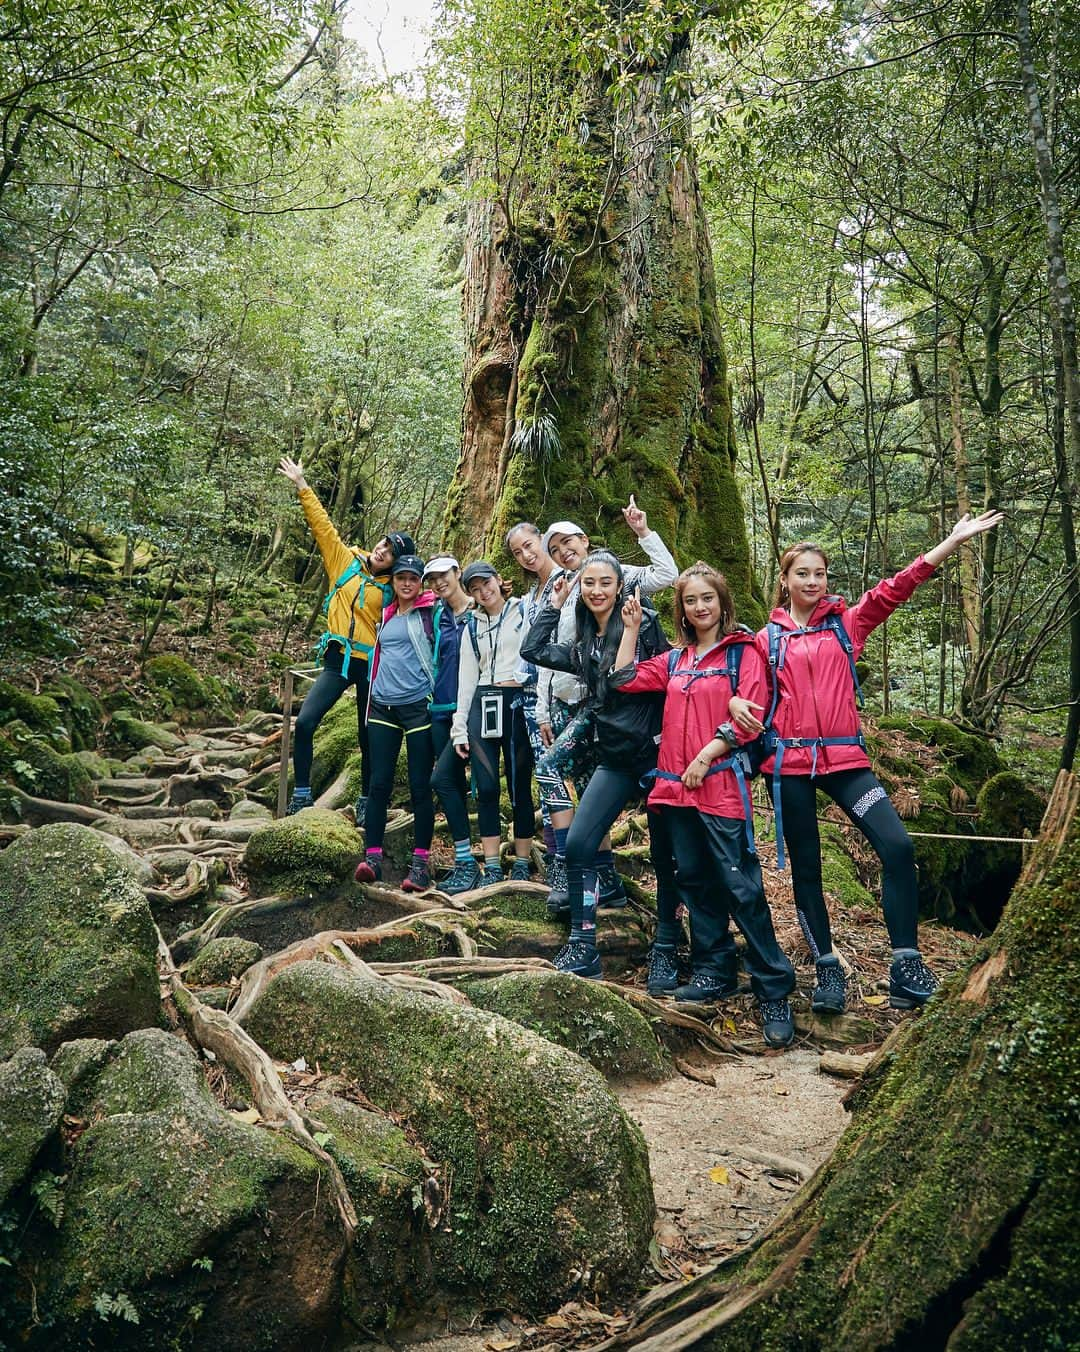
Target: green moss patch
x,y
550,1179
583,1017
310,852
78,948
221,960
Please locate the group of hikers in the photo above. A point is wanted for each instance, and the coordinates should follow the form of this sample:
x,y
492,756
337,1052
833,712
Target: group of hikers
x,y
576,682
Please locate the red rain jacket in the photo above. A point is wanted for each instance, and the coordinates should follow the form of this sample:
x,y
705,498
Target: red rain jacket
x,y
693,709
817,694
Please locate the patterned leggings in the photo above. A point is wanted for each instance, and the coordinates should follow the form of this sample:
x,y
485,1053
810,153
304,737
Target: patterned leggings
x,y
571,756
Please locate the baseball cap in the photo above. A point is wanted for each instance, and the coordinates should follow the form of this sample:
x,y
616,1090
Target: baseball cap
x,y
401,544
442,563
561,528
408,563
477,570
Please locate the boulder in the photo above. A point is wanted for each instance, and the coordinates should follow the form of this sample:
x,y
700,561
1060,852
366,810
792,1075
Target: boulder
x,y
191,1213
125,730
221,960
583,1016
140,868
310,852
30,761
177,679
247,808
31,1106
551,1188
78,948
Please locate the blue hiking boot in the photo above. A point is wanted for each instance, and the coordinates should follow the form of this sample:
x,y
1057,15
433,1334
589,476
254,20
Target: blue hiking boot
x,y
520,872
463,877
610,891
911,982
298,802
578,958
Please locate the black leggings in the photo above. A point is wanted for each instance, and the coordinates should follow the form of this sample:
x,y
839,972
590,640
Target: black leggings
x,y
861,796
329,687
721,878
387,725
517,763
448,780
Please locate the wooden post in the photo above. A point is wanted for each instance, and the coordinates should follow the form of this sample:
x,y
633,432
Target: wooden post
x,y
286,742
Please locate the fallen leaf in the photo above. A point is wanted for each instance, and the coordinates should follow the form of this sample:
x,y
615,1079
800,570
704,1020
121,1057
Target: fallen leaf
x,y
719,1174
249,1115
502,1344
873,999
556,1321
783,1092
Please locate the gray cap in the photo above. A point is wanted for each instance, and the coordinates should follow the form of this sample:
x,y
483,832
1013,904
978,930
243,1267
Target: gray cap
x,y
475,571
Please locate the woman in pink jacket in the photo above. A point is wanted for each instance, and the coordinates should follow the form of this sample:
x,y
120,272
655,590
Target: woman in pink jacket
x,y
810,644
701,797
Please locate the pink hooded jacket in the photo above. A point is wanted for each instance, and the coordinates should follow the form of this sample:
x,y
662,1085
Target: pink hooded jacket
x,y
693,710
816,692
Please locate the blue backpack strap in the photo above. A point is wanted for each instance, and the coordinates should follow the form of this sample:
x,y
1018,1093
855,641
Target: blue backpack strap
x,y
673,661
836,624
734,762
470,623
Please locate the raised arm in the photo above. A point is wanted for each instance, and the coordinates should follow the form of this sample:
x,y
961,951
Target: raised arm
x,y
537,645
965,529
661,570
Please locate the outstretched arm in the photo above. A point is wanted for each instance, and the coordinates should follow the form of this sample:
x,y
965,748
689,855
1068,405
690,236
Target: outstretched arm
x,y
965,529
293,471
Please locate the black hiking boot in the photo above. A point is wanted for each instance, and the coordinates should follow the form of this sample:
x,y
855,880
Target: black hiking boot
x,y
663,975
777,1025
830,989
558,901
704,988
610,891
298,802
579,959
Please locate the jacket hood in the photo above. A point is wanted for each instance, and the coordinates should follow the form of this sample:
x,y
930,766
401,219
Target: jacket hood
x,y
426,598
828,605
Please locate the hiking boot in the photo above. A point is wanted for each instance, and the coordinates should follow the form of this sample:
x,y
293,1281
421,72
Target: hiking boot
x,y
704,987
368,871
490,876
610,891
663,971
418,878
830,988
360,811
519,872
298,802
911,982
578,959
463,877
777,1025
558,902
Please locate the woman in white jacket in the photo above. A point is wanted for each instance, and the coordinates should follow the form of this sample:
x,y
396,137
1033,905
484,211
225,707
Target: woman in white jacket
x,y
489,719
560,708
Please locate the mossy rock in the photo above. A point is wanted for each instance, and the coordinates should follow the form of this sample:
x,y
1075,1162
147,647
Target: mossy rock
x,y
40,713
243,644
551,1187
125,730
98,767
31,1106
78,949
621,937
580,1015
35,766
171,674
83,712
388,1271
311,852
1008,806
221,960
174,1203
970,757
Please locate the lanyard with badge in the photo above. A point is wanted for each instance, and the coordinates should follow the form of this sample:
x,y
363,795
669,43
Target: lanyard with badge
x,y
491,700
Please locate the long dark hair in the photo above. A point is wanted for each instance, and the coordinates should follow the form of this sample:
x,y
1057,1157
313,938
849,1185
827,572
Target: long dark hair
x,y
592,670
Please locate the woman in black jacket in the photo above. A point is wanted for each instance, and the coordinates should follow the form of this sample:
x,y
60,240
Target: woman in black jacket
x,y
619,738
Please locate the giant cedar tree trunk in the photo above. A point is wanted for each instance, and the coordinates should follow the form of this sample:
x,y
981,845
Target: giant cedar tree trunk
x,y
946,1216
604,321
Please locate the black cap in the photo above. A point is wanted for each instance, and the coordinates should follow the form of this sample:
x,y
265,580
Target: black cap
x,y
408,563
401,544
477,570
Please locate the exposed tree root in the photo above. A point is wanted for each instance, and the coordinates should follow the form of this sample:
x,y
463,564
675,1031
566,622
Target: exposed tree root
x,y
216,1032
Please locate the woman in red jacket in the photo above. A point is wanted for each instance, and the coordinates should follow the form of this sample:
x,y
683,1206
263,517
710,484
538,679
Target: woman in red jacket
x,y
811,643
700,790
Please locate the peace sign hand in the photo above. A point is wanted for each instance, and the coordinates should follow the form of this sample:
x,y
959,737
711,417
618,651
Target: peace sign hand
x,y
631,612
560,590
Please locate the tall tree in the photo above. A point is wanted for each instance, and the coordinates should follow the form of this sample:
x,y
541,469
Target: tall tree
x,y
594,363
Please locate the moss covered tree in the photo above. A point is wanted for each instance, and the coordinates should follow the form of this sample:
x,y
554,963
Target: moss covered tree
x,y
945,1218
594,361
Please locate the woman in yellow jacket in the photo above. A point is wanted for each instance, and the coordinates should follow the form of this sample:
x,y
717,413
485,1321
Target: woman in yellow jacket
x,y
359,588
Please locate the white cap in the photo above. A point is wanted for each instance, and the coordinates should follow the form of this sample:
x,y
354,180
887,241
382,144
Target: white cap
x,y
442,564
561,528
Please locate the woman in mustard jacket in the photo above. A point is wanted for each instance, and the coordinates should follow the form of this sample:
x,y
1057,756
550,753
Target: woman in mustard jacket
x,y
359,589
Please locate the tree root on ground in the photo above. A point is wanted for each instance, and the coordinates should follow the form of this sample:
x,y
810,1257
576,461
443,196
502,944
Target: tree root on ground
x,y
216,1032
